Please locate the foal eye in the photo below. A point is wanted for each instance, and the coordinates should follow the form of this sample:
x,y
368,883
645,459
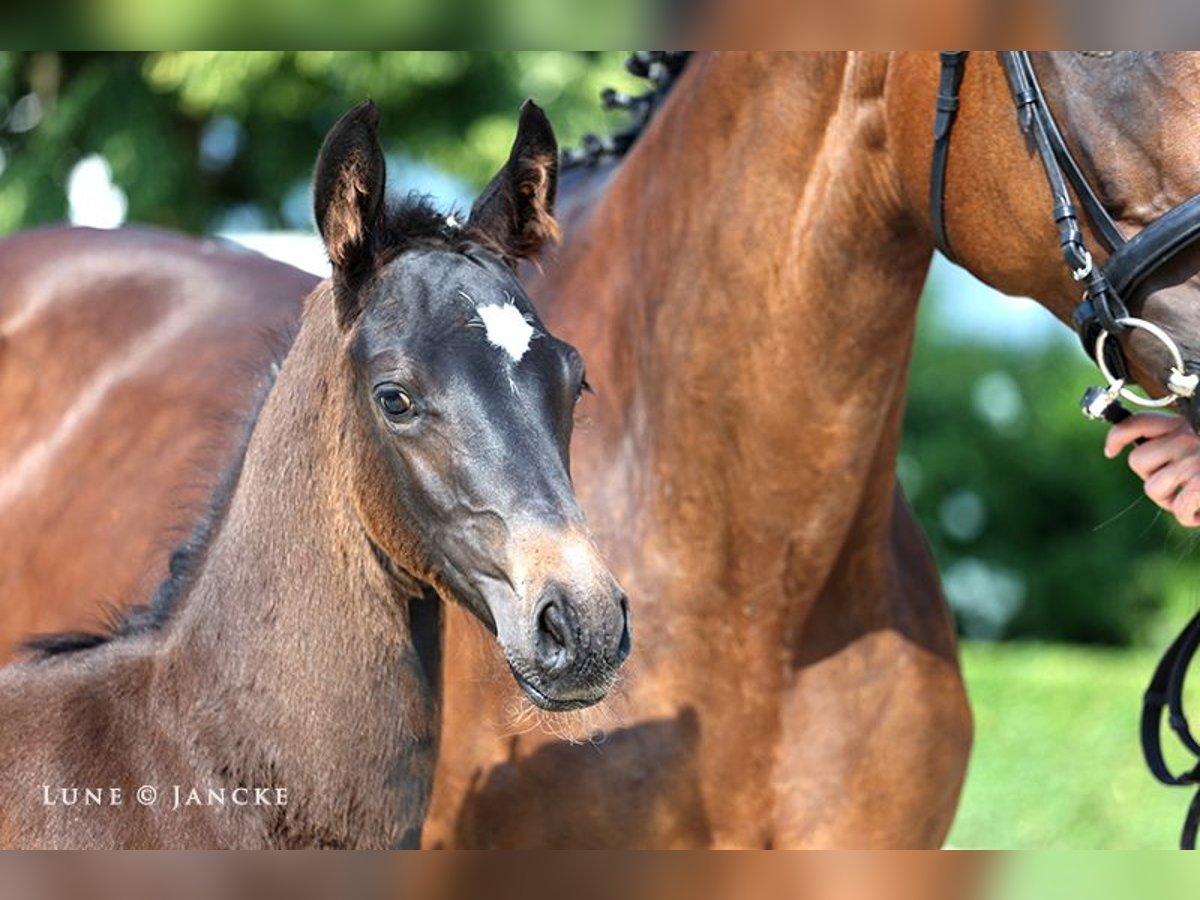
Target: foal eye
x,y
585,387
395,403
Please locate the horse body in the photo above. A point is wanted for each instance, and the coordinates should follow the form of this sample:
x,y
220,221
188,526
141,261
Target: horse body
x,y
113,444
749,317
749,353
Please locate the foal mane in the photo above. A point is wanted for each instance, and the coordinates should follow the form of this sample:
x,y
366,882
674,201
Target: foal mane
x,y
411,223
662,69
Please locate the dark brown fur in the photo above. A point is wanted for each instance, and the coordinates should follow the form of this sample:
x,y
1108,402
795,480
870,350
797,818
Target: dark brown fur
x,y
289,663
295,646
532,182
129,362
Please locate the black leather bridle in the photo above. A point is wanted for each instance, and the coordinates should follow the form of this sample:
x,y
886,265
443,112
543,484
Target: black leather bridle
x,y
1109,290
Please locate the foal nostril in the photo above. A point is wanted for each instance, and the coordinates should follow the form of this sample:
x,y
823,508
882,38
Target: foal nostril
x,y
555,642
626,643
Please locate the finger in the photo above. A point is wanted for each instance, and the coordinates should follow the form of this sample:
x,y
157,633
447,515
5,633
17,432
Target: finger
x,y
1141,425
1168,481
1187,505
1151,456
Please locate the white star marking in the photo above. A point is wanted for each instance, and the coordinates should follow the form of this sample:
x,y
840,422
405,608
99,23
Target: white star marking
x,y
506,328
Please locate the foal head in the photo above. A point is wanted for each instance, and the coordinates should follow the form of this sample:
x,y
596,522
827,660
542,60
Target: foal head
x,y
459,409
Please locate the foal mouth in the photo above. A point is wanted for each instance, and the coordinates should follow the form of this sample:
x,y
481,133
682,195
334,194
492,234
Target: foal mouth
x,y
554,704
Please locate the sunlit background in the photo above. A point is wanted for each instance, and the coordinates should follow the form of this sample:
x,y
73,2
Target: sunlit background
x,y
1064,581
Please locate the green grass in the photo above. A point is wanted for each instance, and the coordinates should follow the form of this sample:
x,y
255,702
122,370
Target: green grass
x,y
1065,875
1057,762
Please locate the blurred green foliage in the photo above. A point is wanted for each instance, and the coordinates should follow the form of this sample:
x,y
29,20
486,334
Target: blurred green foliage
x,y
1036,534
192,137
521,23
433,23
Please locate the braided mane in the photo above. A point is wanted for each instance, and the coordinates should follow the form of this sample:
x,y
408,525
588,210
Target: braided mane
x,y
661,68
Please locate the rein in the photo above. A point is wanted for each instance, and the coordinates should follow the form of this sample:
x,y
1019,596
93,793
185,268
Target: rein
x,y
1103,313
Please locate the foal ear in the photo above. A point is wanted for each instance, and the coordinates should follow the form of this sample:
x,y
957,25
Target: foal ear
x,y
348,189
515,212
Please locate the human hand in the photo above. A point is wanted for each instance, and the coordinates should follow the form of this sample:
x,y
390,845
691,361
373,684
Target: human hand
x,y
1168,462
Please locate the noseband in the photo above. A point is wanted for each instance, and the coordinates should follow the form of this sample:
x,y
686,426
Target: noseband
x,y
1110,288
1102,314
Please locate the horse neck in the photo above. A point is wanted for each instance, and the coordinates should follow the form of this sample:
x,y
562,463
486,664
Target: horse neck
x,y
763,324
292,650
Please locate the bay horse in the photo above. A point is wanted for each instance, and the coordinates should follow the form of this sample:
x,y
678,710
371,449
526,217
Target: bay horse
x,y
110,448
744,283
412,451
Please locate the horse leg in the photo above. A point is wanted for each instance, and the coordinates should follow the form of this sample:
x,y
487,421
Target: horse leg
x,y
877,731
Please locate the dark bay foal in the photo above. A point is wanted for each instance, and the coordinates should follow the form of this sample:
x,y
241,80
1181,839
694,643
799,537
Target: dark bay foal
x,y
412,450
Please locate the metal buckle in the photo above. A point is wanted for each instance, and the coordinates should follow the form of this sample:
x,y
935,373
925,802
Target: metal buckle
x,y
1086,269
1097,400
1182,384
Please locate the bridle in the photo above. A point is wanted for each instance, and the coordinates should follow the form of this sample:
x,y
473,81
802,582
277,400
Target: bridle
x,y
1109,289
1103,313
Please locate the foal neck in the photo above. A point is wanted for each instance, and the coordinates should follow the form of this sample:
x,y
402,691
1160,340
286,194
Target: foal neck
x,y
294,648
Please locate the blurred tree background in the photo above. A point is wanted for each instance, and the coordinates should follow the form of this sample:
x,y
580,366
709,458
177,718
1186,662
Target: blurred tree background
x,y
1037,535
206,141
203,23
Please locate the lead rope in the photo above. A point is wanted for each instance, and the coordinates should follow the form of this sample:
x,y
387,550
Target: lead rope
x,y
1110,315
1166,693
1101,314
